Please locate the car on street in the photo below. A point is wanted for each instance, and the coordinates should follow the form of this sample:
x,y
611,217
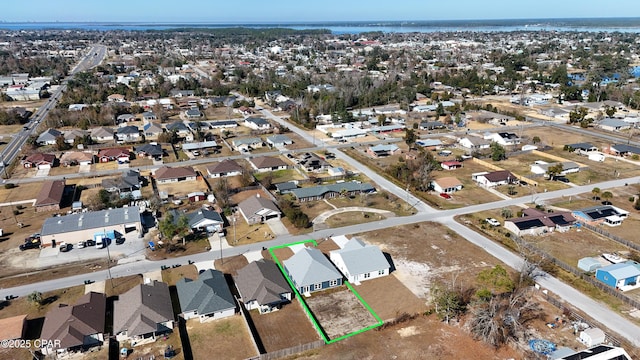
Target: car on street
x,y
492,222
64,247
81,244
561,179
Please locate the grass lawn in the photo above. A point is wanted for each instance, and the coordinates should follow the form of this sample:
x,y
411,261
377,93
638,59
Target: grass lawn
x,y
182,188
172,275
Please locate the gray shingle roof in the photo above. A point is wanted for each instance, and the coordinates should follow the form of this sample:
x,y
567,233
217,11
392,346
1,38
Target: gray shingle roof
x,y
360,258
141,309
199,215
90,220
309,266
256,204
302,193
261,281
208,294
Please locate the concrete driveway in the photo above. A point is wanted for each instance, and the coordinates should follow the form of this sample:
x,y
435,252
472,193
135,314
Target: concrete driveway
x,y
277,227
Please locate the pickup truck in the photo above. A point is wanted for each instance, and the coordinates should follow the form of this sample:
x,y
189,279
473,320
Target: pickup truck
x,y
33,244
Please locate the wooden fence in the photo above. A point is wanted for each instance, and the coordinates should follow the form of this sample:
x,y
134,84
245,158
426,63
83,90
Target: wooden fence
x,y
289,351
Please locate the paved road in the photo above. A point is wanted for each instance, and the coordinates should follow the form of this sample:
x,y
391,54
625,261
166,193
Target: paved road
x,y
93,57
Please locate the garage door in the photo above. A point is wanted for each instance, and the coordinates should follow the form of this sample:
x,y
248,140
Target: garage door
x,y
44,166
130,227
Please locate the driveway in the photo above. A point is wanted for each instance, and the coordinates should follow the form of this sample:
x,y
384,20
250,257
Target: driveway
x,y
84,169
277,227
42,173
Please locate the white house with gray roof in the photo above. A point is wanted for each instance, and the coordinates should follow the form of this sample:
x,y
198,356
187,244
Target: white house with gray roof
x,y
279,141
246,144
257,209
359,261
82,226
262,286
311,271
206,298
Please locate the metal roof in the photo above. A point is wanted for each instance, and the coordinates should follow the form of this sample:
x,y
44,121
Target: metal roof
x,y
621,270
339,187
90,220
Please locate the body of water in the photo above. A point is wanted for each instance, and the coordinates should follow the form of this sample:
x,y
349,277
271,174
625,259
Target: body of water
x,y
628,25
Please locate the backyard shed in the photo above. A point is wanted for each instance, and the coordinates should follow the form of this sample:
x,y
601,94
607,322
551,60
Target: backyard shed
x,y
589,264
592,336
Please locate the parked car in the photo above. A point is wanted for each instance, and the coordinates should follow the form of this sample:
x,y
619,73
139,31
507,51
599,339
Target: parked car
x,y
445,196
120,241
64,247
34,244
492,222
90,243
561,179
81,244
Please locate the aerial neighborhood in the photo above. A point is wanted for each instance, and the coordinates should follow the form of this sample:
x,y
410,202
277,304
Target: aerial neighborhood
x,y
274,193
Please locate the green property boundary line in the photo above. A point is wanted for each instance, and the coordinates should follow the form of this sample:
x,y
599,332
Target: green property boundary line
x,y
306,307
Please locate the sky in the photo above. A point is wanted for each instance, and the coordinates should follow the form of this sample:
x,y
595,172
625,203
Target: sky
x,y
274,11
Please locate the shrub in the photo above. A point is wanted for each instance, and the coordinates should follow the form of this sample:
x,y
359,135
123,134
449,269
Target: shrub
x,y
9,185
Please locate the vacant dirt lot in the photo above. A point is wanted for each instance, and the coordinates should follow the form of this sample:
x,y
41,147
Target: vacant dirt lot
x,y
226,338
284,328
339,312
389,298
182,188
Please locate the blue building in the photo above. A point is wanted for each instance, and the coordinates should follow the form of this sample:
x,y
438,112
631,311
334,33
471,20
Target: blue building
x,y
623,276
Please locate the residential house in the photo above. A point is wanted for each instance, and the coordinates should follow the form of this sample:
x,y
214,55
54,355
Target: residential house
x,y
257,209
536,222
431,125
75,328
542,167
268,163
125,118
223,124
598,352
613,125
48,137
262,286
623,150
622,276
152,150
115,98
332,190
77,107
447,185
286,187
39,161
474,143
359,261
503,138
309,271
70,158
143,313
152,130
205,220
181,93
13,328
70,136
126,185
494,178
279,141
50,196
201,145
120,155
181,129
246,144
582,148
149,116
128,134
193,113
196,196
451,165
165,174
257,123
225,168
384,129
336,171
381,150
206,298
601,214
312,162
430,144
102,134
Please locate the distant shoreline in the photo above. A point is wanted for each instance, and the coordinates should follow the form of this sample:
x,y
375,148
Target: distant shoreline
x,y
629,25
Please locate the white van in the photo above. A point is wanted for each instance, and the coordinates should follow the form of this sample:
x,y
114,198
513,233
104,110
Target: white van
x,y
100,242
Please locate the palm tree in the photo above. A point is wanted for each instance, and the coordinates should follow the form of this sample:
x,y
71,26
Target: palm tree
x,y
607,195
595,191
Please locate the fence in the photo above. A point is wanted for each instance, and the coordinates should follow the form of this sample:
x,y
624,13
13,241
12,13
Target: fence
x,y
615,238
289,351
577,272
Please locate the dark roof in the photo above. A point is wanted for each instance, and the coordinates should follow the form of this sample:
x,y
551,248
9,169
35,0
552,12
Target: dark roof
x,y
257,121
202,214
225,166
151,149
581,146
113,152
596,352
51,193
506,135
261,281
208,294
525,224
268,162
40,158
535,218
177,126
70,324
501,175
166,172
128,130
623,148
139,310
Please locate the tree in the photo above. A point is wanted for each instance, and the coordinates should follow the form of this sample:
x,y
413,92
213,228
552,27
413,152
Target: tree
x,y
410,137
555,170
62,145
35,298
498,152
596,192
578,114
507,213
536,139
609,110
607,195
450,302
